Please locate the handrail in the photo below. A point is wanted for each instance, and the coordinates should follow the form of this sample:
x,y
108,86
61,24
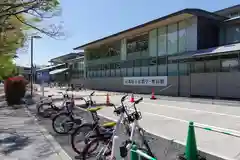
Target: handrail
x,y
136,154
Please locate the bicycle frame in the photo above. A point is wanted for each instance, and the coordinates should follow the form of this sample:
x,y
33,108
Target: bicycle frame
x,y
117,141
117,130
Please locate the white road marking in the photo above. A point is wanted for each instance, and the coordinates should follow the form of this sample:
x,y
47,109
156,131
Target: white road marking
x,y
195,110
199,124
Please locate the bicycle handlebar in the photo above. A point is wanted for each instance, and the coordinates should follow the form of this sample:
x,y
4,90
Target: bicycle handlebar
x,y
123,99
139,100
92,93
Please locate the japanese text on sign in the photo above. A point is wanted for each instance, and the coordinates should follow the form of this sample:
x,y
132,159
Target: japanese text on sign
x,y
145,81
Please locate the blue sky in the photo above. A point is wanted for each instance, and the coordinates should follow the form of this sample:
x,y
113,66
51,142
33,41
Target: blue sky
x,y
88,20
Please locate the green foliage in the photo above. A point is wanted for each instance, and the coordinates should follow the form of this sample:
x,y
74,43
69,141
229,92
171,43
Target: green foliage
x,y
7,66
17,19
12,39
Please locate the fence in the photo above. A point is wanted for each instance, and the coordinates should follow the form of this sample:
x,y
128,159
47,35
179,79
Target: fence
x,y
191,152
137,154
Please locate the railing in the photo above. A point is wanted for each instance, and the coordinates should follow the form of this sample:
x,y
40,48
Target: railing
x,y
137,154
103,60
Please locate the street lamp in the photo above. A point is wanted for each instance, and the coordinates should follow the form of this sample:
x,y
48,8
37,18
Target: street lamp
x,y
31,76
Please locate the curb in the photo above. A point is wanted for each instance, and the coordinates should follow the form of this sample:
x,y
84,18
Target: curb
x,y
56,146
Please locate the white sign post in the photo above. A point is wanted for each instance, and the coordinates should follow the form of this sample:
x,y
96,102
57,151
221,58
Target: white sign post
x,y
42,88
145,81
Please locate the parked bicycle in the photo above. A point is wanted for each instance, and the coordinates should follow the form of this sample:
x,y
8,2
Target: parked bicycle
x,y
115,145
45,107
104,136
88,101
63,122
87,131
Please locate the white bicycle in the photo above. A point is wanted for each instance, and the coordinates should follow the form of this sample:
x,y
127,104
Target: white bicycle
x,y
117,144
45,107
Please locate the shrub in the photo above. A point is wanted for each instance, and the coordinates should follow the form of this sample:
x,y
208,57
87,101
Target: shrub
x,y
15,88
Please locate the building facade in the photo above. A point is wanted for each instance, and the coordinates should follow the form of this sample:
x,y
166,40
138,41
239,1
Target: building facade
x,y
191,52
63,68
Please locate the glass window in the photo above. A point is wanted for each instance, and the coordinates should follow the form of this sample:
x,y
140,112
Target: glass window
x,y
112,66
197,67
153,43
183,69
128,64
212,66
182,36
137,63
230,65
145,62
172,39
162,41
233,34
118,66
137,44
122,64
172,69
162,60
152,61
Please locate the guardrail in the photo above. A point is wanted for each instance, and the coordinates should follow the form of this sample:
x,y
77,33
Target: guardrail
x,y
137,154
191,152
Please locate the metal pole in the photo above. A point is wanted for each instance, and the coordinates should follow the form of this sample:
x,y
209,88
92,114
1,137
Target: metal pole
x,y
31,67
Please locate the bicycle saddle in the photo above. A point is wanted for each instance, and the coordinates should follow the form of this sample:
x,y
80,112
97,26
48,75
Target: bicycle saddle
x,y
95,109
109,124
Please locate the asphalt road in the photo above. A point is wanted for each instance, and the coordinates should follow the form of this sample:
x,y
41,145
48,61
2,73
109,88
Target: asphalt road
x,y
170,118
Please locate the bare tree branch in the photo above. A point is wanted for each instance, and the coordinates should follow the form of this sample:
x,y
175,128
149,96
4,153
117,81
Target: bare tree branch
x,y
38,9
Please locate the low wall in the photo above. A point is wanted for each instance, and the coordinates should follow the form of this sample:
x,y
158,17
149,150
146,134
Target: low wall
x,y
217,85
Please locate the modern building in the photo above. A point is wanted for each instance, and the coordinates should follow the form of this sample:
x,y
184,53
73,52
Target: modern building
x,y
63,68
191,52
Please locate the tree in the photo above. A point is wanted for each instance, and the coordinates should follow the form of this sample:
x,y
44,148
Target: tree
x,y
7,66
31,13
12,37
18,18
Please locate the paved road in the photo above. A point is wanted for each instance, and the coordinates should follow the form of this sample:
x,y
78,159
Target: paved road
x,y
170,119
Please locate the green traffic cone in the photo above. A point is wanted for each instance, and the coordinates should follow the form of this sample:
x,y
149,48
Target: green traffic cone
x,y
191,146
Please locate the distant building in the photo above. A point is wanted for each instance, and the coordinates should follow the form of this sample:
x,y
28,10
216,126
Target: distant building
x,y
63,68
25,71
191,52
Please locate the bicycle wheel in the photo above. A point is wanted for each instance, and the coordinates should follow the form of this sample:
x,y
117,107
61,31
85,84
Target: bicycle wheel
x,y
103,152
79,138
44,109
145,146
62,123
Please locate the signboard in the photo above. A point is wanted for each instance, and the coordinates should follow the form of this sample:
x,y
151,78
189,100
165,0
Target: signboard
x,y
145,81
43,76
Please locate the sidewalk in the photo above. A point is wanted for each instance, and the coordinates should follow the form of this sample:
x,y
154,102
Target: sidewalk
x,y
21,138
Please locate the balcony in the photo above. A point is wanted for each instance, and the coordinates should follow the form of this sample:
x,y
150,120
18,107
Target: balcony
x,y
137,55
103,60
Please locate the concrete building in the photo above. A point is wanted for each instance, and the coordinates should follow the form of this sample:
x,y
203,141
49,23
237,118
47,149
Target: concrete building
x,y
63,68
191,52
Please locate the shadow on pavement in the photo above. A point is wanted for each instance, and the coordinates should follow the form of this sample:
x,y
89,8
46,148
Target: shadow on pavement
x,y
11,142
